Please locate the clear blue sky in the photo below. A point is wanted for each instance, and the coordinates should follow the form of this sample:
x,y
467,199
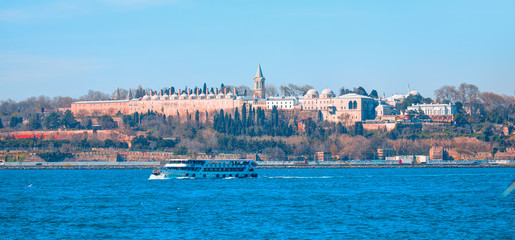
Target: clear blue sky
x,y
67,47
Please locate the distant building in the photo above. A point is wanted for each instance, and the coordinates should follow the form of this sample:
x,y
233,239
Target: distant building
x,y
382,153
282,102
384,110
347,109
437,112
404,159
421,159
436,153
322,156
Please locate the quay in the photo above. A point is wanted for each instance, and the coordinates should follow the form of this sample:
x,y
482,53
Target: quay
x,y
78,165
387,166
261,165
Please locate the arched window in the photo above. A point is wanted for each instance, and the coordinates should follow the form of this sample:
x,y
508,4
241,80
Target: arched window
x,y
355,105
350,105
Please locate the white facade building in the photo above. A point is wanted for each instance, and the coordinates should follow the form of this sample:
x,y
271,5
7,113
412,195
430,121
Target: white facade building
x,y
434,109
282,102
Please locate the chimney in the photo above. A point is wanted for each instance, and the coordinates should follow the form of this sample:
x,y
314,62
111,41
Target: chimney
x,y
161,92
225,91
189,91
197,92
216,91
179,92
234,91
170,92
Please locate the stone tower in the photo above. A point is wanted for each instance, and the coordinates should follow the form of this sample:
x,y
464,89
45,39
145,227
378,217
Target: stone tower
x,y
259,84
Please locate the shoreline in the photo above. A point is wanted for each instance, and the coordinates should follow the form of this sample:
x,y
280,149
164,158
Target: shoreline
x,y
355,166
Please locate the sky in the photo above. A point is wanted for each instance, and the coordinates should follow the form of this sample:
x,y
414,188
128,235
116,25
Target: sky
x,y
67,47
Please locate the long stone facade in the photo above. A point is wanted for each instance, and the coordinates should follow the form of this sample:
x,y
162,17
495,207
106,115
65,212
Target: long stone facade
x,y
170,107
347,109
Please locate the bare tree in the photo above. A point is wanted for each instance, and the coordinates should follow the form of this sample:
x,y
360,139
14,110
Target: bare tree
x,y
468,93
447,94
94,96
286,91
274,153
271,90
344,91
244,91
502,105
298,90
62,102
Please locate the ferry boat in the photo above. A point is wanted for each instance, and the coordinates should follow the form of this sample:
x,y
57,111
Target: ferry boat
x,y
206,168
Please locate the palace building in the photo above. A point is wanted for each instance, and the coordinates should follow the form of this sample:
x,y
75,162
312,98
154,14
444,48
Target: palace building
x,y
180,104
347,109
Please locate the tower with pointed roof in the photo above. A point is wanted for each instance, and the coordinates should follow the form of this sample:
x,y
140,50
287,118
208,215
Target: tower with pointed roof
x,y
117,94
129,94
259,84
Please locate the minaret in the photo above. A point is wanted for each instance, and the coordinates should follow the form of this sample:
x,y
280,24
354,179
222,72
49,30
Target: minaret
x,y
259,84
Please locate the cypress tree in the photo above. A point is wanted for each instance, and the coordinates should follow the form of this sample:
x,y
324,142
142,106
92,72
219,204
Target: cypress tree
x,y
244,115
236,121
358,128
320,116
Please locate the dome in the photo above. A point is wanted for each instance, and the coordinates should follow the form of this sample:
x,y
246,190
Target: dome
x,y
155,97
414,93
211,95
312,92
146,97
220,95
229,95
184,96
327,91
174,96
164,97
193,96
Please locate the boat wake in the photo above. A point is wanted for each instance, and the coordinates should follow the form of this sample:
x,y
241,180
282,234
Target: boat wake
x,y
230,178
180,178
298,177
157,177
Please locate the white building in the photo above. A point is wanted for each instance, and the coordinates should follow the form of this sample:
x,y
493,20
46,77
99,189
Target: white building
x,y
434,109
282,102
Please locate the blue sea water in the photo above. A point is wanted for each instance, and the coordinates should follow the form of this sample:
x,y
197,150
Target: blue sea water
x,y
280,204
